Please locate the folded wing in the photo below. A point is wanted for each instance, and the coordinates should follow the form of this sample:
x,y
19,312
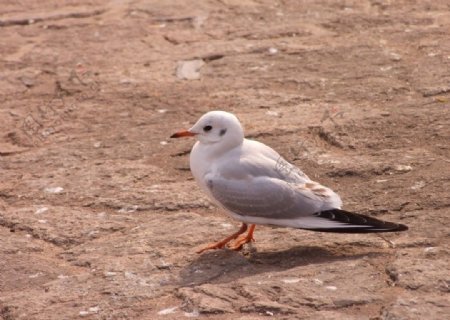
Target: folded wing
x,y
304,205
271,198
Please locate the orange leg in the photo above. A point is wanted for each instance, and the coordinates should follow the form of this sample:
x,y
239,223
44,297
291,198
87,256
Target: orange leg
x,y
222,243
243,239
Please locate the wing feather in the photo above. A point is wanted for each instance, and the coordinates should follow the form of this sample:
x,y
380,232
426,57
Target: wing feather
x,y
269,197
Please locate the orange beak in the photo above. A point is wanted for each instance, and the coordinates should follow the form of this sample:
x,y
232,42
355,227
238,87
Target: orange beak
x,y
183,133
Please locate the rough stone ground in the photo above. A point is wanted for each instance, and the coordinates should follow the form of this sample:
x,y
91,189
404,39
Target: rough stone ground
x,y
100,217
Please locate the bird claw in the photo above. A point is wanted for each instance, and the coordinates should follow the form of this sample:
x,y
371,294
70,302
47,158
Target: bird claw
x,y
212,246
238,240
237,244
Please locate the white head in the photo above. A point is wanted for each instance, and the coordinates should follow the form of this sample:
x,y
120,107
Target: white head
x,y
216,128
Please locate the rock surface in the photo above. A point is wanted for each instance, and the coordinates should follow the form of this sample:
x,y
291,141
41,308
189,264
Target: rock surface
x,y
100,217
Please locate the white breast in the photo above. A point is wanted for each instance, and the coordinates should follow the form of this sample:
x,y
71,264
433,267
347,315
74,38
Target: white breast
x,y
200,165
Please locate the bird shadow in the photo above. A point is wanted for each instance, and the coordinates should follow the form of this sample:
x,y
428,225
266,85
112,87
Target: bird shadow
x,y
222,266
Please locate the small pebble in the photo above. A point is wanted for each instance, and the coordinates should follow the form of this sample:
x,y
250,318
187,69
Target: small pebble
x,y
189,70
272,113
163,265
128,209
110,274
54,189
126,81
167,311
402,168
317,281
418,185
41,210
28,82
101,214
92,233
32,276
291,280
94,309
192,314
395,56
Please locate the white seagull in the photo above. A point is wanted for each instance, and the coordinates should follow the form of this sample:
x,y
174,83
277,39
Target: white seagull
x,y
255,185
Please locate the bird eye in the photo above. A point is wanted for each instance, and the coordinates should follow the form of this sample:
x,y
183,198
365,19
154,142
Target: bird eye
x,y
207,128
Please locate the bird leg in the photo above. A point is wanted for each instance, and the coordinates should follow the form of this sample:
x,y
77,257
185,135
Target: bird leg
x,y
222,243
243,239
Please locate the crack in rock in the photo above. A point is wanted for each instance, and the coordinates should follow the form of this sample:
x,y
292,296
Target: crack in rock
x,y
61,16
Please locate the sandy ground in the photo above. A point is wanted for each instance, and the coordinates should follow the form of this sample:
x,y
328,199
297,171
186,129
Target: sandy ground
x,y
100,217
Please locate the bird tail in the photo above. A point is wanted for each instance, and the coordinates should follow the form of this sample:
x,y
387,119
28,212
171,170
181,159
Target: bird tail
x,y
337,220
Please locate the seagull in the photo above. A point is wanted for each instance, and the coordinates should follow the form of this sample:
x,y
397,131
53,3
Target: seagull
x,y
253,184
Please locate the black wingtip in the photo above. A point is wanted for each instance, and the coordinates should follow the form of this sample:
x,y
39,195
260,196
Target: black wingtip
x,y
357,223
402,227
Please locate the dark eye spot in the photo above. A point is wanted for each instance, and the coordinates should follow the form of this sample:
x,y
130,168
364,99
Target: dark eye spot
x,y
207,128
222,132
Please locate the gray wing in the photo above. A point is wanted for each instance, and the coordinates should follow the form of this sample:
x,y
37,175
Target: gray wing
x,y
271,198
306,206
258,160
